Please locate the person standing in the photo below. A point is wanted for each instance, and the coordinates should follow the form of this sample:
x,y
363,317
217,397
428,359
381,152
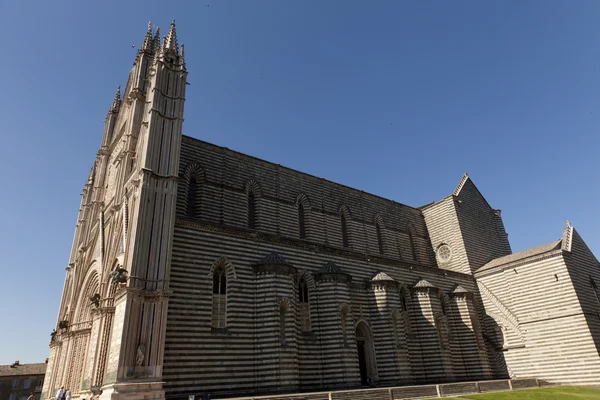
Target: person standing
x,y
68,394
60,393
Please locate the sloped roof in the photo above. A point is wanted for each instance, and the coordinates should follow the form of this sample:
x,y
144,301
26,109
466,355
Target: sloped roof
x,y
534,251
422,283
461,184
273,259
330,268
382,276
459,289
23,369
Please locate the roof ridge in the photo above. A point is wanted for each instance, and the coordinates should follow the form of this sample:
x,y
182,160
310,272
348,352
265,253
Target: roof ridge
x,y
460,185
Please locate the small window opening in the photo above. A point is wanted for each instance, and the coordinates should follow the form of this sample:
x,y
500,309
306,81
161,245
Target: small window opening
x,y
301,221
191,200
379,238
251,211
344,231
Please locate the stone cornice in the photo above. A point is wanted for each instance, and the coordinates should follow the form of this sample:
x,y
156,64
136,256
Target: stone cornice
x,y
149,172
518,263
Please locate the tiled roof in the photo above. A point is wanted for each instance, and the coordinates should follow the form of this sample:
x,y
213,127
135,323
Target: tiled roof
x,y
534,251
273,259
330,268
422,283
23,369
382,276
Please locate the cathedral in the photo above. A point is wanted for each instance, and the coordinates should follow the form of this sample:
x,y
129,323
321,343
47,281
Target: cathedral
x,y
196,269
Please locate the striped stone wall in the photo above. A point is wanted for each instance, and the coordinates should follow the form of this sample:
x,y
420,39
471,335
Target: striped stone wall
x,y
443,226
481,227
537,307
225,177
249,356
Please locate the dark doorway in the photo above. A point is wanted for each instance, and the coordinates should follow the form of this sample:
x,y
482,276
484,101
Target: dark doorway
x,y
362,361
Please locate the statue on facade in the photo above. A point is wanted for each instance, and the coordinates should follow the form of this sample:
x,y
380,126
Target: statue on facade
x,y
118,276
139,358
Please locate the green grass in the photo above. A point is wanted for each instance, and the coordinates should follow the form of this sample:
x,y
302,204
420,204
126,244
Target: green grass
x,y
548,393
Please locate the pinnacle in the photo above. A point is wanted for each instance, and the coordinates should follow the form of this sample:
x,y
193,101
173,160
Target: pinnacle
x,y
117,101
157,39
147,45
170,42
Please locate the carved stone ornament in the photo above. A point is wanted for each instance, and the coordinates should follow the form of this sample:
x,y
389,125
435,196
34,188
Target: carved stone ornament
x,y
118,276
95,300
140,355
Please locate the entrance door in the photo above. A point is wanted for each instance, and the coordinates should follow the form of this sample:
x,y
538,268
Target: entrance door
x,y
362,361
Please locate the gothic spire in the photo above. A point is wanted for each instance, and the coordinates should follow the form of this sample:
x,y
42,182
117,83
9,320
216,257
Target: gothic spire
x,y
116,104
148,44
170,42
157,39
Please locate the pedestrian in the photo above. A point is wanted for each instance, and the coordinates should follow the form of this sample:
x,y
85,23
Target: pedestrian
x,y
61,393
68,394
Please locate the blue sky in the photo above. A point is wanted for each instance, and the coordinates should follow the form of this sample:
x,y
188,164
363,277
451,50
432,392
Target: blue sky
x,y
396,98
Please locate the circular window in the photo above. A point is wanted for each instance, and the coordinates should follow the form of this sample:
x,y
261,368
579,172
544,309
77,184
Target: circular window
x,y
444,253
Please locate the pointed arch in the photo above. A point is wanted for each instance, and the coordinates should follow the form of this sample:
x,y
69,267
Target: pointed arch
x,y
220,272
304,297
193,177
303,199
252,186
252,189
90,286
224,263
366,352
303,205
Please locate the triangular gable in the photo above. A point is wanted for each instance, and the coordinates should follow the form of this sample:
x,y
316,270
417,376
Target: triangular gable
x,y
467,183
462,182
567,237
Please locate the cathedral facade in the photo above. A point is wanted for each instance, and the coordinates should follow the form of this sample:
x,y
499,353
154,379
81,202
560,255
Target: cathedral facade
x,y
196,269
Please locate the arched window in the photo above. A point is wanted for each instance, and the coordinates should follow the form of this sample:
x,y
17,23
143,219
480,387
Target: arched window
x,y
304,306
219,311
344,231
191,198
301,221
379,238
411,239
251,211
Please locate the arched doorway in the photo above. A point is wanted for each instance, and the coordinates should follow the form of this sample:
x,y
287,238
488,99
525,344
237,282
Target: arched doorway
x,y
366,354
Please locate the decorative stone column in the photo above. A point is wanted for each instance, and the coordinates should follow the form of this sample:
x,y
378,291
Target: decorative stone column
x,y
336,332
389,332
468,348
276,343
430,362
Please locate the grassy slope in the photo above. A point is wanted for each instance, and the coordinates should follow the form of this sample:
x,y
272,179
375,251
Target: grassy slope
x,y
549,393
